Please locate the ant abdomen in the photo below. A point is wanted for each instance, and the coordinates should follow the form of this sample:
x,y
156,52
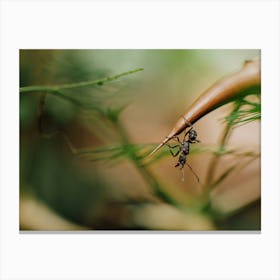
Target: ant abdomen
x,y
181,161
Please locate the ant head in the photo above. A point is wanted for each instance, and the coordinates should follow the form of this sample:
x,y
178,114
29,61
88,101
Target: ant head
x,y
192,134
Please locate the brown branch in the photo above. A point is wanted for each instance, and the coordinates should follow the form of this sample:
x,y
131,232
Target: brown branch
x,y
244,82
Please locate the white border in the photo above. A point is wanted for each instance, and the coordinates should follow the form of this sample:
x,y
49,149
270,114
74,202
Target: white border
x,y
154,24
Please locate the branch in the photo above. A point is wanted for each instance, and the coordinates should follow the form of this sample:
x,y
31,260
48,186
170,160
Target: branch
x,y
55,89
244,82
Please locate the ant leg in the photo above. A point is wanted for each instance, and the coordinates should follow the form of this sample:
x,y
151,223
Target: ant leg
x,y
177,139
189,125
194,141
174,155
183,175
193,172
171,147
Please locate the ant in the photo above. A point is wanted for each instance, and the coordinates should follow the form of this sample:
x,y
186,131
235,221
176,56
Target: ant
x,y
184,149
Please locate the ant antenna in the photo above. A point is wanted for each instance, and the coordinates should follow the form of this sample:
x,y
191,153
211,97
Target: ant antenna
x,y
193,172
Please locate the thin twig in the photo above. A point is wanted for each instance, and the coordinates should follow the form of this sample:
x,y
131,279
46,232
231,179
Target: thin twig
x,y
55,89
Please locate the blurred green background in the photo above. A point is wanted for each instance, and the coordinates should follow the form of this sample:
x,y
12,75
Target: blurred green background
x,y
81,152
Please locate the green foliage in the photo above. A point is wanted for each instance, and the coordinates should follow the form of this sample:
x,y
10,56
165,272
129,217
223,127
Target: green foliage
x,y
245,111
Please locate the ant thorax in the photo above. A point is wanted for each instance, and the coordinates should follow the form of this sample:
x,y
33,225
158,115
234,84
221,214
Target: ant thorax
x,y
185,148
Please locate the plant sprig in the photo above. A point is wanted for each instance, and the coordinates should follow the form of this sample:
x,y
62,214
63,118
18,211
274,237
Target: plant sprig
x,y
58,88
247,112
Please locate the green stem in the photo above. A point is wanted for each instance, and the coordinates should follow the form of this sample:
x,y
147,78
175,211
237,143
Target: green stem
x,y
54,89
215,160
147,175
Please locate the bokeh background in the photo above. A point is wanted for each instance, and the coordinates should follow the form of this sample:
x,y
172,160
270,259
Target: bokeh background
x,y
79,164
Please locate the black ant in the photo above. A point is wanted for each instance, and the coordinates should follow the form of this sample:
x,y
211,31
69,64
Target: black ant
x,y
184,149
